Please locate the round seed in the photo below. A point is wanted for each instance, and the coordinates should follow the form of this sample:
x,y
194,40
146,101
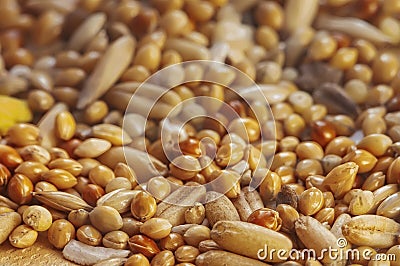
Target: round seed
x,y
311,201
184,167
156,228
105,219
385,67
89,235
229,154
23,135
322,47
165,258
137,259
186,253
195,234
159,187
79,217
344,58
23,236
307,167
246,128
37,217
95,112
361,72
357,90
143,206
309,150
116,240
294,125
377,144
101,175
60,233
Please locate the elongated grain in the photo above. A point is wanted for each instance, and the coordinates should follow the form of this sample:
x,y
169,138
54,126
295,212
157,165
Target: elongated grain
x,y
108,70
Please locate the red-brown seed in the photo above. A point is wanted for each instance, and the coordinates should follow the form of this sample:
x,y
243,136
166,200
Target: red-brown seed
x,y
322,132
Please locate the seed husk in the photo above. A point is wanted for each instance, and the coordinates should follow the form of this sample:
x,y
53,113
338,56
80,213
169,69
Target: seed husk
x,y
247,202
83,254
62,201
86,31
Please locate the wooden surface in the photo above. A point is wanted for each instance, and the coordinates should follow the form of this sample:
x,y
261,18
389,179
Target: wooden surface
x,y
41,253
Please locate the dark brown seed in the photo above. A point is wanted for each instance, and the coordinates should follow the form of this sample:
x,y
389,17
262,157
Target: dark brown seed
x,y
287,196
336,100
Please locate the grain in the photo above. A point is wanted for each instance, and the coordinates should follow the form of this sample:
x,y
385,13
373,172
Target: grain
x,y
105,219
174,206
220,208
315,236
254,237
38,217
107,71
23,236
371,230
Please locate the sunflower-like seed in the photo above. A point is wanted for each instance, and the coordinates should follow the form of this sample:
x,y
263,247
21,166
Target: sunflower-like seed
x,y
107,71
336,100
